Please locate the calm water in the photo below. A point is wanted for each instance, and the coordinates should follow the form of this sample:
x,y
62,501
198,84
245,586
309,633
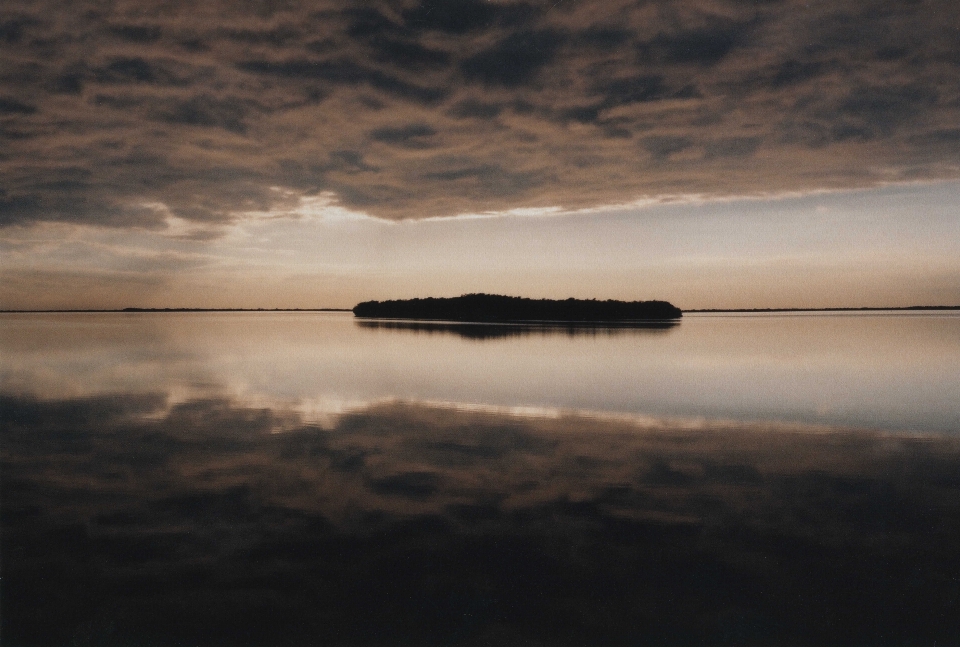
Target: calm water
x,y
306,478
890,371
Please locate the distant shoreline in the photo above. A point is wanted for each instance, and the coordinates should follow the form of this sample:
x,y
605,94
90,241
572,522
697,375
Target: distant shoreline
x,y
701,310
863,309
182,310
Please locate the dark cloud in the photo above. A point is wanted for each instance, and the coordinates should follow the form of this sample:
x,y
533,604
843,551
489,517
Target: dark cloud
x,y
137,33
70,81
732,147
408,54
210,108
11,106
130,70
472,108
583,114
457,16
278,36
344,72
205,110
702,46
948,137
118,102
604,37
461,173
349,161
18,209
792,72
12,30
410,136
301,68
662,147
635,89
514,60
478,180
881,110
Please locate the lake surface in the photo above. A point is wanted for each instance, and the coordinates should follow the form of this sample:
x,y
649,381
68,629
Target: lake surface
x,y
890,371
310,478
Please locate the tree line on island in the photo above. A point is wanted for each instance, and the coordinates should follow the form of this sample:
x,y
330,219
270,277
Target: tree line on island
x,y
498,308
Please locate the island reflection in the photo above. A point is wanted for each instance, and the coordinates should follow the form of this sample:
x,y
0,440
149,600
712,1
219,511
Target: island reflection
x,y
481,331
405,523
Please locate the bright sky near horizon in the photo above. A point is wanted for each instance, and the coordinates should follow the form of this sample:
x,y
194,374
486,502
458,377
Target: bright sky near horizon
x,y
713,153
881,247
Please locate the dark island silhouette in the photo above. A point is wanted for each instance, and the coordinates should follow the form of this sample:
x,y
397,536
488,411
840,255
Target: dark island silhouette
x,y
498,308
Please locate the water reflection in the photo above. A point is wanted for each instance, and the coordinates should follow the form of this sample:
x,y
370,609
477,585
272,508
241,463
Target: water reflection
x,y
134,519
298,479
480,331
884,372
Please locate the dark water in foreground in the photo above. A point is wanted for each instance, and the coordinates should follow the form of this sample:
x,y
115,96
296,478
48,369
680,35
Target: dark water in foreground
x,y
303,480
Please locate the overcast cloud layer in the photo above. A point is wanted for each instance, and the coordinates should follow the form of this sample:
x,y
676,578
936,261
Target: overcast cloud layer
x,y
122,113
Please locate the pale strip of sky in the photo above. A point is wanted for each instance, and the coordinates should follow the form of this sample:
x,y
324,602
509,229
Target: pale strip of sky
x,y
890,246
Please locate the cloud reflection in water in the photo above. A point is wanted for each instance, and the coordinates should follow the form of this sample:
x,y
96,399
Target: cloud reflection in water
x,y
410,523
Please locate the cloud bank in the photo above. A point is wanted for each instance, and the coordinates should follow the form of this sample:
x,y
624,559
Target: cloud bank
x,y
124,114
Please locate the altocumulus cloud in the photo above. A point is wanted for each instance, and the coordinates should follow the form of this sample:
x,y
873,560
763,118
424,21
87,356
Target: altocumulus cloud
x,y
417,108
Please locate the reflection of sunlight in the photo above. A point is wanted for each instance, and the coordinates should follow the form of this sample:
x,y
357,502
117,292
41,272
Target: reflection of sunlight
x,y
325,412
637,421
328,410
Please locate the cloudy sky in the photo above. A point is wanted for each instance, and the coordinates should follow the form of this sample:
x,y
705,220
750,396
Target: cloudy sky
x,y
271,154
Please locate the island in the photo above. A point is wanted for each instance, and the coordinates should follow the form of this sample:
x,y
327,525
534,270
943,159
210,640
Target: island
x,y
498,308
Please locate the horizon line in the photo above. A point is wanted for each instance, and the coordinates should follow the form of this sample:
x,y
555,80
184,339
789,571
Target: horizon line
x,y
692,310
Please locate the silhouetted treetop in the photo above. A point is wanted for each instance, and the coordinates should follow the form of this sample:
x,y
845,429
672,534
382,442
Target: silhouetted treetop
x,y
495,307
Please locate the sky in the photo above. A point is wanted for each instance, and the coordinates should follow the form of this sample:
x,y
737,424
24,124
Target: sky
x,y
713,153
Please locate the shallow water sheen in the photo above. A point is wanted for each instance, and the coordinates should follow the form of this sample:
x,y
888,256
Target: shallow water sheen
x,y
894,371
304,479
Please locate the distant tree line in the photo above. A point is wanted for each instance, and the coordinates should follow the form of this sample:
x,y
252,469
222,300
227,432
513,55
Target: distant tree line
x,y
494,307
